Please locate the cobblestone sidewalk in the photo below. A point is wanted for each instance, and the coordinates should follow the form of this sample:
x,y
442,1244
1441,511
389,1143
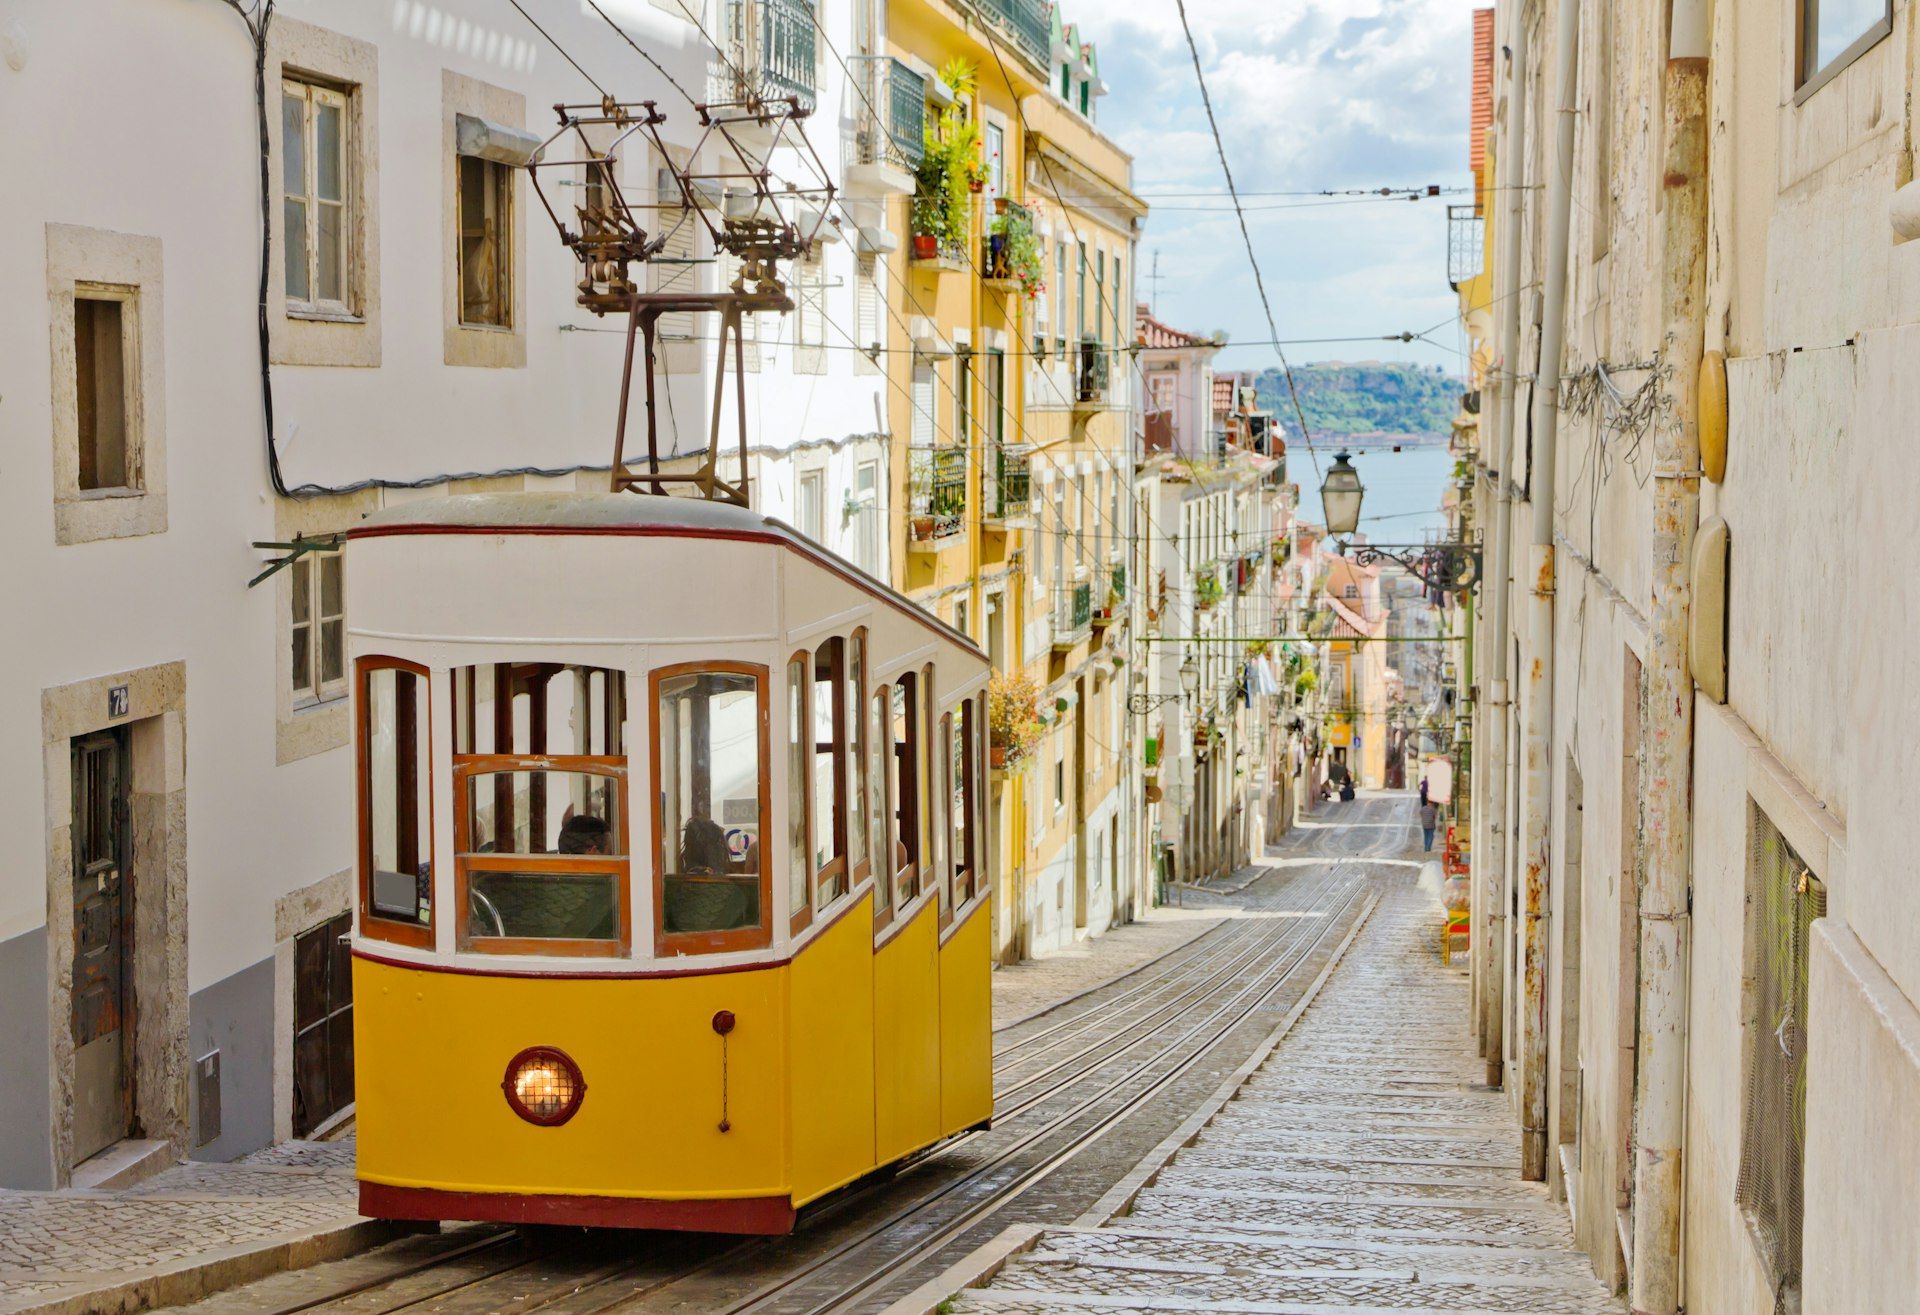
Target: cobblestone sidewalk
x,y
1358,1170
1023,989
177,1233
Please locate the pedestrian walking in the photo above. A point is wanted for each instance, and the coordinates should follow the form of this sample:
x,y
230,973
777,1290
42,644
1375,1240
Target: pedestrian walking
x,y
1423,792
1429,819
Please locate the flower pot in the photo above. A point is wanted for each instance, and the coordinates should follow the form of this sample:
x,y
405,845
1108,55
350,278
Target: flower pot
x,y
925,246
1000,204
997,756
976,186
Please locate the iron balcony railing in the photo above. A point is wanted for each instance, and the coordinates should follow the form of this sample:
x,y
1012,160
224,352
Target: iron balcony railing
x,y
770,51
1095,372
1013,482
893,113
1026,22
1113,596
937,489
1072,613
1466,243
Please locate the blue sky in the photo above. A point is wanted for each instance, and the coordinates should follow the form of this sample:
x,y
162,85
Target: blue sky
x,y
1311,95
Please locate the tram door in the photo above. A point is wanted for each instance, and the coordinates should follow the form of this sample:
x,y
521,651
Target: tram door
x,y
101,1016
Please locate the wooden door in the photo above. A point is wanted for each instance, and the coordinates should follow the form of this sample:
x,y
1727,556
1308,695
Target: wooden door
x,y
101,1009
322,1024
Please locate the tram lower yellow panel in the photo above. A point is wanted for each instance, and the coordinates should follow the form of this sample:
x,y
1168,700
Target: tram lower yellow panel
x,y
833,1086
906,1038
966,1025
431,1050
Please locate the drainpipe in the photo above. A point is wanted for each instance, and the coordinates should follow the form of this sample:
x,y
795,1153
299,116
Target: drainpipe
x,y
1490,852
1666,816
1536,794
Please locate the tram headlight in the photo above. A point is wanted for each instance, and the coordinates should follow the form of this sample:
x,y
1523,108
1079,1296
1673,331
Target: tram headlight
x,y
544,1086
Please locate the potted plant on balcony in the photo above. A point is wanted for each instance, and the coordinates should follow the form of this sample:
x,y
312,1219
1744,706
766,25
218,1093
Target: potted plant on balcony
x,y
1014,727
1206,590
1014,250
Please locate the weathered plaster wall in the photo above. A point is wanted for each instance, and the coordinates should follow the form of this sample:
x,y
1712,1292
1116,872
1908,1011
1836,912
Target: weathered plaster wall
x,y
235,1016
26,1154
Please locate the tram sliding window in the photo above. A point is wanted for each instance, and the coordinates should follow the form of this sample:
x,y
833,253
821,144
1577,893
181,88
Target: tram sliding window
x,y
540,816
854,709
829,789
709,732
903,776
879,756
960,766
396,814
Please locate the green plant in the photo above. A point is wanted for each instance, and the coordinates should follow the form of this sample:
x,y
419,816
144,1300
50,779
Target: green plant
x,y
1013,718
951,167
1020,250
1206,589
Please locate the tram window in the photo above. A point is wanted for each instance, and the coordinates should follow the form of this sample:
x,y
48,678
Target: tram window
x,y
396,827
829,791
539,708
854,694
960,762
926,755
902,786
709,742
543,811
879,758
940,784
799,862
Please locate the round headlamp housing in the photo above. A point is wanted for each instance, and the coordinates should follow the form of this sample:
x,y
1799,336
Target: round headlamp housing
x,y
544,1085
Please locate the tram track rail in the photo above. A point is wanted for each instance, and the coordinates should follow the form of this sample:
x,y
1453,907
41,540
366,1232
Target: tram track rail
x,y
1268,953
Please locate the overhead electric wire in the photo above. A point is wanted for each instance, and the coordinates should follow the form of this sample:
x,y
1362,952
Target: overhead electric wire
x,y
557,46
1259,283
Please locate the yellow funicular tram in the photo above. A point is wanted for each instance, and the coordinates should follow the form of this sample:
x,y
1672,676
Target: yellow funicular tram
x,y
671,858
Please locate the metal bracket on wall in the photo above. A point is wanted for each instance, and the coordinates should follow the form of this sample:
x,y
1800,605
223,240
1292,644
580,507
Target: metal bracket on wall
x,y
292,552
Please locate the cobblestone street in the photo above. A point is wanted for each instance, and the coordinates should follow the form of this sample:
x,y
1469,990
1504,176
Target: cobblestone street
x,y
1360,1168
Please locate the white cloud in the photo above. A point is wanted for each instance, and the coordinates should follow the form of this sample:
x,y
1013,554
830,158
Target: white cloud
x,y
1311,95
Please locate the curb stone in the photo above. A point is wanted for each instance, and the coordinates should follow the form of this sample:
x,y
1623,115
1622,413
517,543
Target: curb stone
x,y
972,1270
188,1280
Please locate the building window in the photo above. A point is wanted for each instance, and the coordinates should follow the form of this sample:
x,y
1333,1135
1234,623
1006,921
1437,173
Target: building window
x,y
1833,33
1059,769
1352,591
996,148
102,328
809,504
1060,282
1783,899
866,492
319,627
810,319
316,213
486,243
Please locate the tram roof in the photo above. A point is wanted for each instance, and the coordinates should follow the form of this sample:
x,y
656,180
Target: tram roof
x,y
626,513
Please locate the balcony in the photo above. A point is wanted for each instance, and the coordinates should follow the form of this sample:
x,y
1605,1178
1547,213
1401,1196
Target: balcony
x,y
1206,588
1010,499
937,494
1072,614
1026,22
890,138
1093,376
769,54
1116,601
1466,243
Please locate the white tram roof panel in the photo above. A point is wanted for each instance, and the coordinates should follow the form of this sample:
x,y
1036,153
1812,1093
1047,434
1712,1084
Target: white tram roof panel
x,y
615,515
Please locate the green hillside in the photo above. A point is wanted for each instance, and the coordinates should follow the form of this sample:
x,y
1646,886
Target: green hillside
x,y
1389,397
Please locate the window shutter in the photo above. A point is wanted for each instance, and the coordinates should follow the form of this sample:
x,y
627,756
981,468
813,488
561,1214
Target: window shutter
x,y
923,403
866,310
680,227
813,296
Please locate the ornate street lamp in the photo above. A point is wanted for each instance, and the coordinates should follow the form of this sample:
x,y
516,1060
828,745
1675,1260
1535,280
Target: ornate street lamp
x,y
1141,704
1340,494
1451,566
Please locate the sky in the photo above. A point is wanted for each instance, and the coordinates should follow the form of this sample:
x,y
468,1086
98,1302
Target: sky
x,y
1312,95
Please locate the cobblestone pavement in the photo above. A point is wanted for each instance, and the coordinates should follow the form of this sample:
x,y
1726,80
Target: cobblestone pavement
x,y
1358,1170
1023,989
55,1245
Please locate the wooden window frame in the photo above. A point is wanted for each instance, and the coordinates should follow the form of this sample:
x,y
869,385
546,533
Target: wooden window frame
x,y
468,766
943,817
834,871
1806,27
314,92
372,925
498,186
799,791
906,776
966,868
319,690
665,943
879,754
853,690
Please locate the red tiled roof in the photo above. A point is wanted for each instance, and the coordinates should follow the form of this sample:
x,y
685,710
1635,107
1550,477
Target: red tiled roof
x,y
1152,333
1482,91
1222,393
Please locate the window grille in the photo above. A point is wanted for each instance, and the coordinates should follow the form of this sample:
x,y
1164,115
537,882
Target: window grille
x,y
1783,899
